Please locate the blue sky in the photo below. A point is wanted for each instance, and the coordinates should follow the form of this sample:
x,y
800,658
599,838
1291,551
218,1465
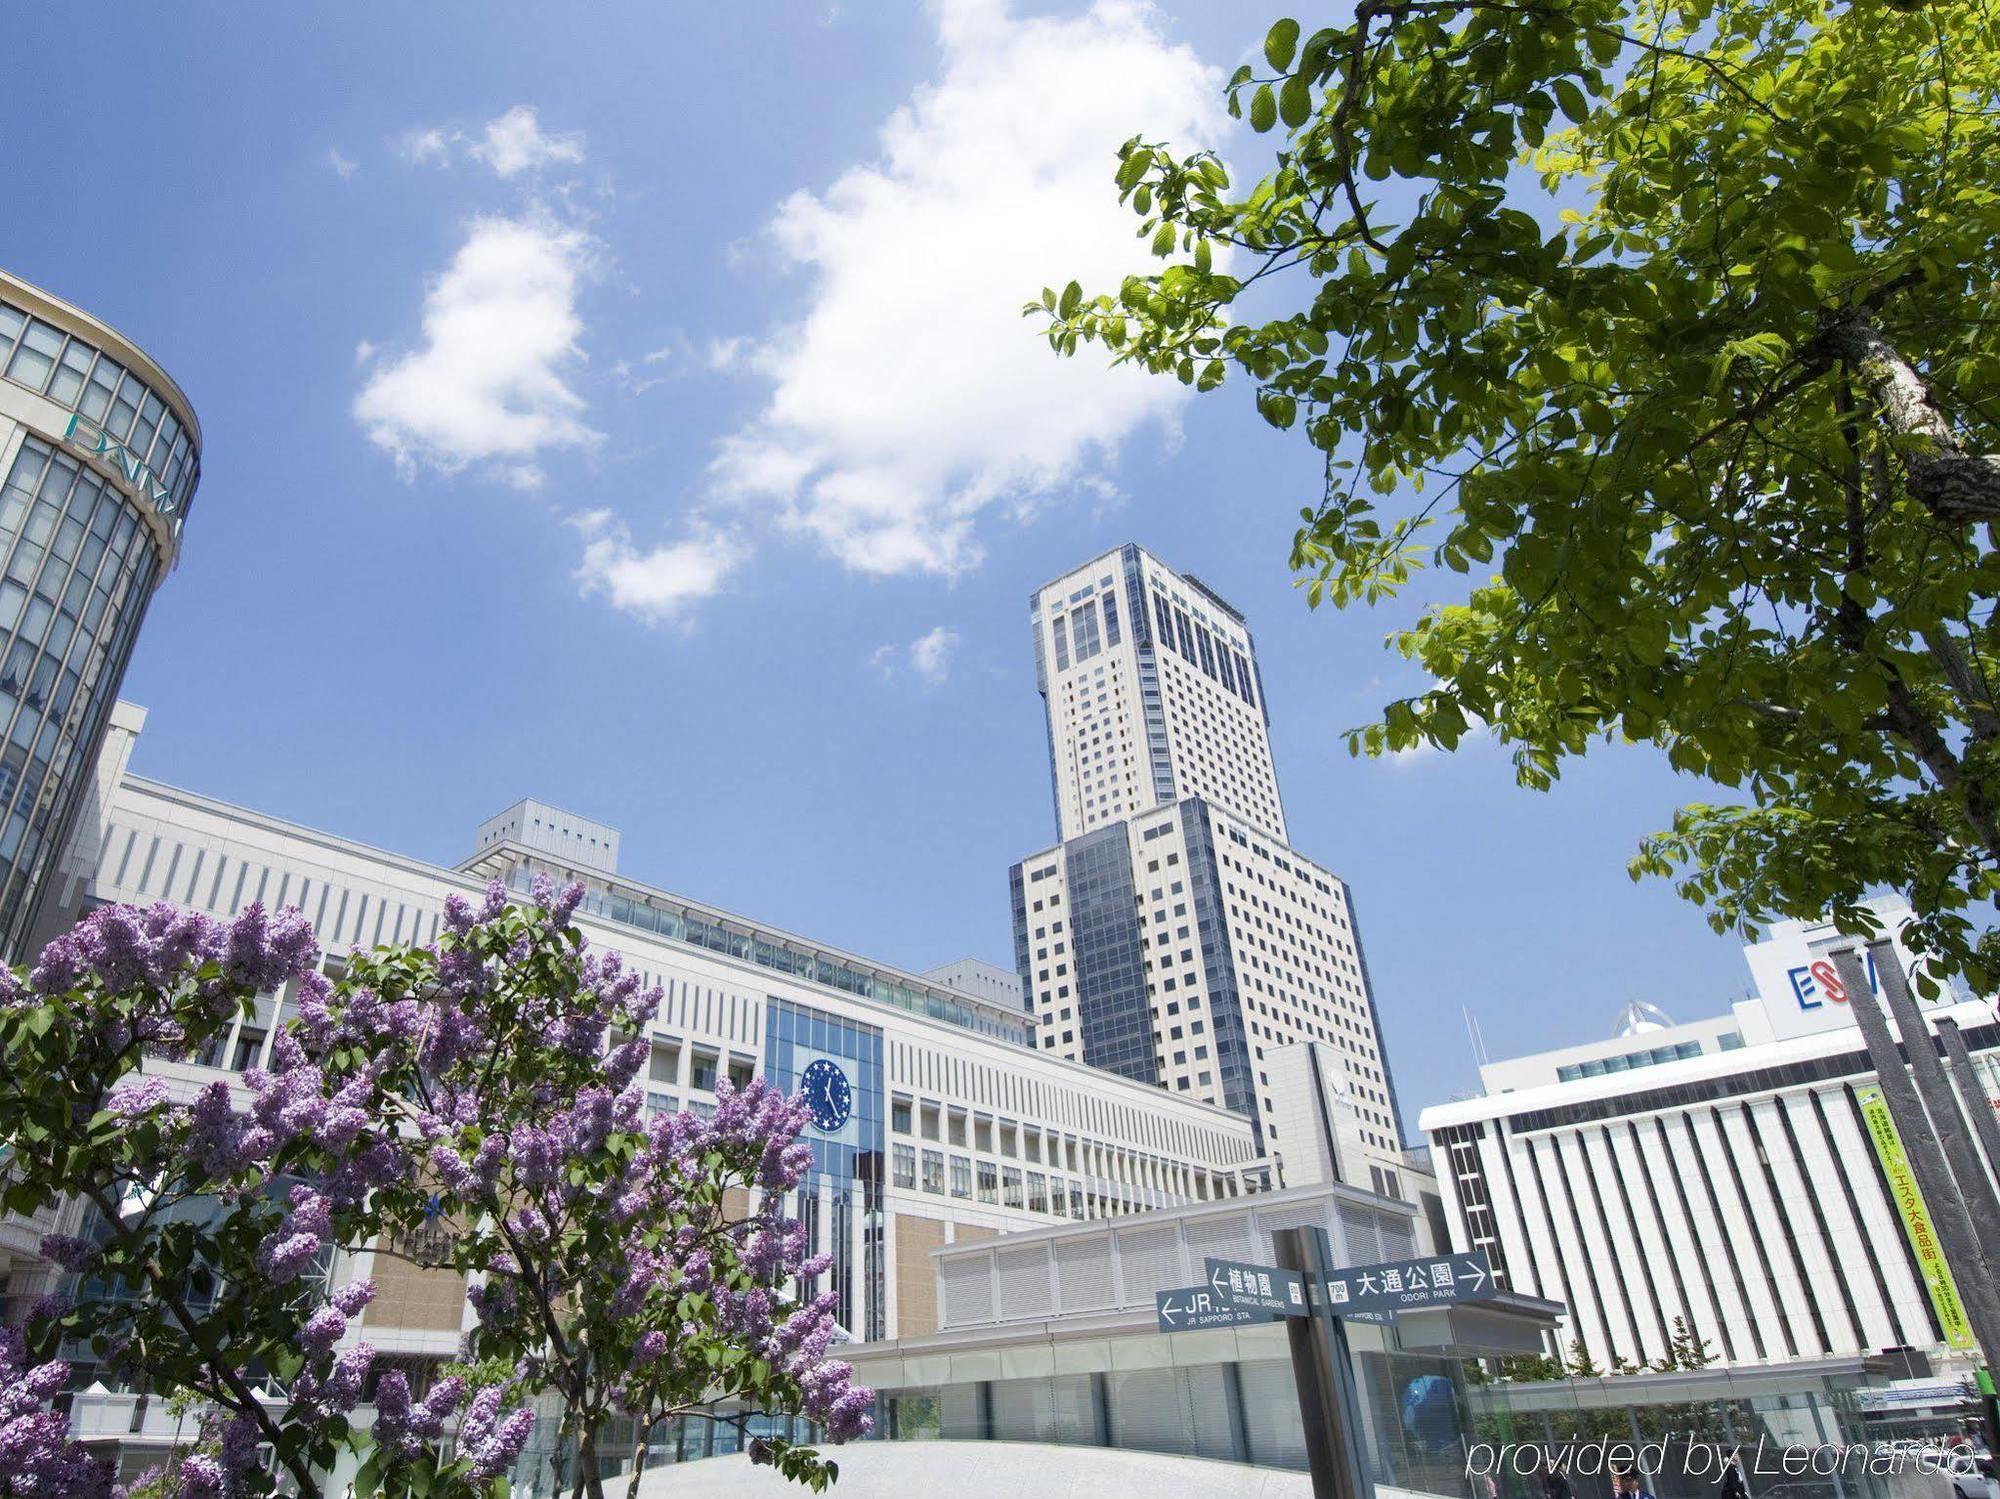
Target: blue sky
x,y
632,412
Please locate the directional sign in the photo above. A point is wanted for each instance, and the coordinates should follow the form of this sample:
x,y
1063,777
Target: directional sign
x,y
1408,1285
1197,1306
1266,1288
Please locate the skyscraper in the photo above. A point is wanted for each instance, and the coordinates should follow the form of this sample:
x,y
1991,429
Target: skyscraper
x,y
99,457
1173,935
1153,696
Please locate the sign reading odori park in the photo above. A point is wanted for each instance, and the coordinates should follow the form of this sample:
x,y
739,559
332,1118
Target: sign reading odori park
x,y
86,436
1409,1285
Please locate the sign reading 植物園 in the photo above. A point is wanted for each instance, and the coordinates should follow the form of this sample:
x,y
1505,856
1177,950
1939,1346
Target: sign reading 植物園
x,y
1266,1288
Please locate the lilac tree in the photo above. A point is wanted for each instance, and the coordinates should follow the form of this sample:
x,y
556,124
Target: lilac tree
x,y
482,1085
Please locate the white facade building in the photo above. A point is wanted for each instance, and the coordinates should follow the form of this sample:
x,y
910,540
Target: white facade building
x,y
959,1128
1173,936
1718,1173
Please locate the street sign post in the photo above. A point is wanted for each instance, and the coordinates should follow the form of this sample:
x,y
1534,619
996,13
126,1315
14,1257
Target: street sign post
x,y
1192,1307
1409,1285
1323,1372
1265,1288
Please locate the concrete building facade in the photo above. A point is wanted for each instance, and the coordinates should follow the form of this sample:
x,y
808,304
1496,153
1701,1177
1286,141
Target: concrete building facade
x,y
959,1129
1718,1173
1173,935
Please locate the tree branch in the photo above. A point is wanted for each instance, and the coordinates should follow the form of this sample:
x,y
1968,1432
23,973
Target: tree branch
x,y
1953,484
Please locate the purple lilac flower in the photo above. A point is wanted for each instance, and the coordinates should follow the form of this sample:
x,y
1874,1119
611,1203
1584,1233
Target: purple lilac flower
x,y
132,1100
489,1441
73,1254
201,1477
37,1457
288,1252
323,1329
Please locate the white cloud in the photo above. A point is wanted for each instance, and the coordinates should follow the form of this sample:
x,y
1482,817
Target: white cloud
x,y
912,395
657,585
363,352
425,148
931,653
487,384
343,167
514,142
928,657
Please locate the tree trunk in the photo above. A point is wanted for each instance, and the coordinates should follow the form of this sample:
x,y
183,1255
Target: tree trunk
x,y
1984,1125
1953,484
1974,1185
638,1463
1957,1236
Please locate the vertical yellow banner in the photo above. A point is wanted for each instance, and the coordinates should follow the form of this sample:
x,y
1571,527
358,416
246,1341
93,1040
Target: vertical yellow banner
x,y
1916,1216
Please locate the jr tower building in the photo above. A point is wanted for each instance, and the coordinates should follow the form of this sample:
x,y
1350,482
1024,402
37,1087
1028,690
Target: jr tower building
x,y
1173,935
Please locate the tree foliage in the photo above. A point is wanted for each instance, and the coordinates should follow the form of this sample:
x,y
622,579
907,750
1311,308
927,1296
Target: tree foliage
x,y
474,1095
1672,324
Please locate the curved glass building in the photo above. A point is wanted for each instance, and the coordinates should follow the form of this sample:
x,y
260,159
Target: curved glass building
x,y
99,457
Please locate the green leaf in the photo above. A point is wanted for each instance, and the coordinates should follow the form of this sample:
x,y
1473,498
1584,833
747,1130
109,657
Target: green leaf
x,y
1295,101
1072,297
1569,98
1280,42
1263,109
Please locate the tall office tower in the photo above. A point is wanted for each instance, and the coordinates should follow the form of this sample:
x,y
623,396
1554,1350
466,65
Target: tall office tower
x,y
1173,935
1153,695
99,457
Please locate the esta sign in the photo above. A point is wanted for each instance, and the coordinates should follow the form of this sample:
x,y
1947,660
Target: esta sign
x,y
1817,982
86,436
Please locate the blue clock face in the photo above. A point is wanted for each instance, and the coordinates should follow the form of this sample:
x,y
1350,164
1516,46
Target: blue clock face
x,y
828,1094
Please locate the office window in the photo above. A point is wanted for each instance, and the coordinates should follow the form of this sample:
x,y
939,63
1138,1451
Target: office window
x,y
1110,602
899,1116
703,1075
665,1066
1011,1180
961,1176
903,1164
1083,628
934,1171
1038,1192
989,1182
1061,628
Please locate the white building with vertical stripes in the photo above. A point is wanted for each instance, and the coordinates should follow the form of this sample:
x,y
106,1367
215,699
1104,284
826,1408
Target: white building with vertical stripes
x,y
953,1126
1717,1173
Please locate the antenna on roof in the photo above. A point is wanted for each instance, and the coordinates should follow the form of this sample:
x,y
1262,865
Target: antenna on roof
x,y
1473,1035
